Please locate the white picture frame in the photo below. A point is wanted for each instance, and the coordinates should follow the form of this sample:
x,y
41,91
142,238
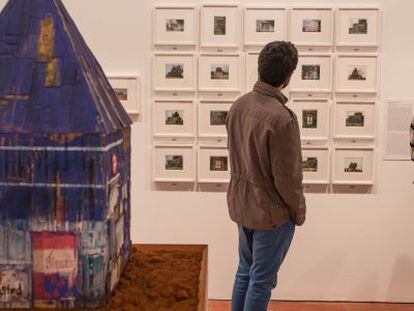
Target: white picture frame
x,y
174,25
174,163
313,74
213,165
212,119
316,166
128,90
252,70
166,76
219,73
174,119
357,27
353,166
264,24
354,120
220,26
311,26
356,73
313,119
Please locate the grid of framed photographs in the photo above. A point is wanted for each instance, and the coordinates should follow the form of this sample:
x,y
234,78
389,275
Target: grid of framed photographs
x,y
205,56
197,74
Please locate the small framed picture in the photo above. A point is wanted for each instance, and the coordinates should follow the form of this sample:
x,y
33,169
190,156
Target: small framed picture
x,y
213,165
128,91
313,74
315,163
358,27
174,119
220,26
263,25
252,70
212,119
174,25
174,72
356,74
219,73
353,166
354,120
311,26
313,119
174,163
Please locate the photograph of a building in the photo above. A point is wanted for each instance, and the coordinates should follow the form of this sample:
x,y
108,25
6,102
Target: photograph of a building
x,y
220,25
357,73
174,117
218,117
311,25
174,25
358,26
353,165
311,72
355,119
174,71
219,164
220,72
265,25
310,164
121,93
310,119
174,162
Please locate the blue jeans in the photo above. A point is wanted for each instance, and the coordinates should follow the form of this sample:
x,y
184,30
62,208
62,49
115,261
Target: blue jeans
x,y
261,253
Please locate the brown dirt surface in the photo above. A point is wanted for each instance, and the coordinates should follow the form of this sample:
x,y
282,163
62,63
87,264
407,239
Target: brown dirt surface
x,y
156,281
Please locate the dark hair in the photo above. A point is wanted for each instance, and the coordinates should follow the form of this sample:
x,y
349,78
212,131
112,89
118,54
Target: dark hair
x,y
277,61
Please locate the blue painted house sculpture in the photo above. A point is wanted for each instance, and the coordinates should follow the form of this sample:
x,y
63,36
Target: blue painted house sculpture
x,y
64,164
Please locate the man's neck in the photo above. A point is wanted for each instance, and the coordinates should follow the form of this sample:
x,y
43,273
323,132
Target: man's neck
x,y
279,88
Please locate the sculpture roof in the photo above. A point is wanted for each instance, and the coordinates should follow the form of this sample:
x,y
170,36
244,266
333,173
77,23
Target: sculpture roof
x,y
50,82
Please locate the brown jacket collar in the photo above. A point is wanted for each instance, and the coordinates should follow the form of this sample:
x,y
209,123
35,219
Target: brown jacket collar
x,y
269,90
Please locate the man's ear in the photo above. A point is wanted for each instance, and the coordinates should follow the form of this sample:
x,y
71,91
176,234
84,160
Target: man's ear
x,y
287,81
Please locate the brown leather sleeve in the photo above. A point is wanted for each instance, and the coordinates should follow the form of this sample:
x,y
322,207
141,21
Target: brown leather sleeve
x,y
286,163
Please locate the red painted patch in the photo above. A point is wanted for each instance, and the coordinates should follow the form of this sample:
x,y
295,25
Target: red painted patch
x,y
114,164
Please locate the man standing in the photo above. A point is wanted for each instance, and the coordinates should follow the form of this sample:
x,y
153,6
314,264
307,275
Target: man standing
x,y
265,195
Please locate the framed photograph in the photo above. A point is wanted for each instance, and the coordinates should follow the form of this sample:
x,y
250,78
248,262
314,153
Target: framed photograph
x,y
220,26
174,119
353,166
212,119
315,163
219,73
213,165
174,163
313,74
313,119
263,25
174,72
357,27
311,26
356,74
174,25
354,120
128,91
252,70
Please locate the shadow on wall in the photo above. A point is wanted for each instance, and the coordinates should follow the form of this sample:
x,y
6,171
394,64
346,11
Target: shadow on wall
x,y
401,287
327,270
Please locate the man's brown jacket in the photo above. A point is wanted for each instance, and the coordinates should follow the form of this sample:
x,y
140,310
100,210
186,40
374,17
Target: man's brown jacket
x,y
265,159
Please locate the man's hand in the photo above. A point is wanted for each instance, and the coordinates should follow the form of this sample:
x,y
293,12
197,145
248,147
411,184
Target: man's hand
x,y
299,218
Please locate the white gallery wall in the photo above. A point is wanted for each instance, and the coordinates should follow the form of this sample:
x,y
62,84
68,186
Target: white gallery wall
x,y
352,247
